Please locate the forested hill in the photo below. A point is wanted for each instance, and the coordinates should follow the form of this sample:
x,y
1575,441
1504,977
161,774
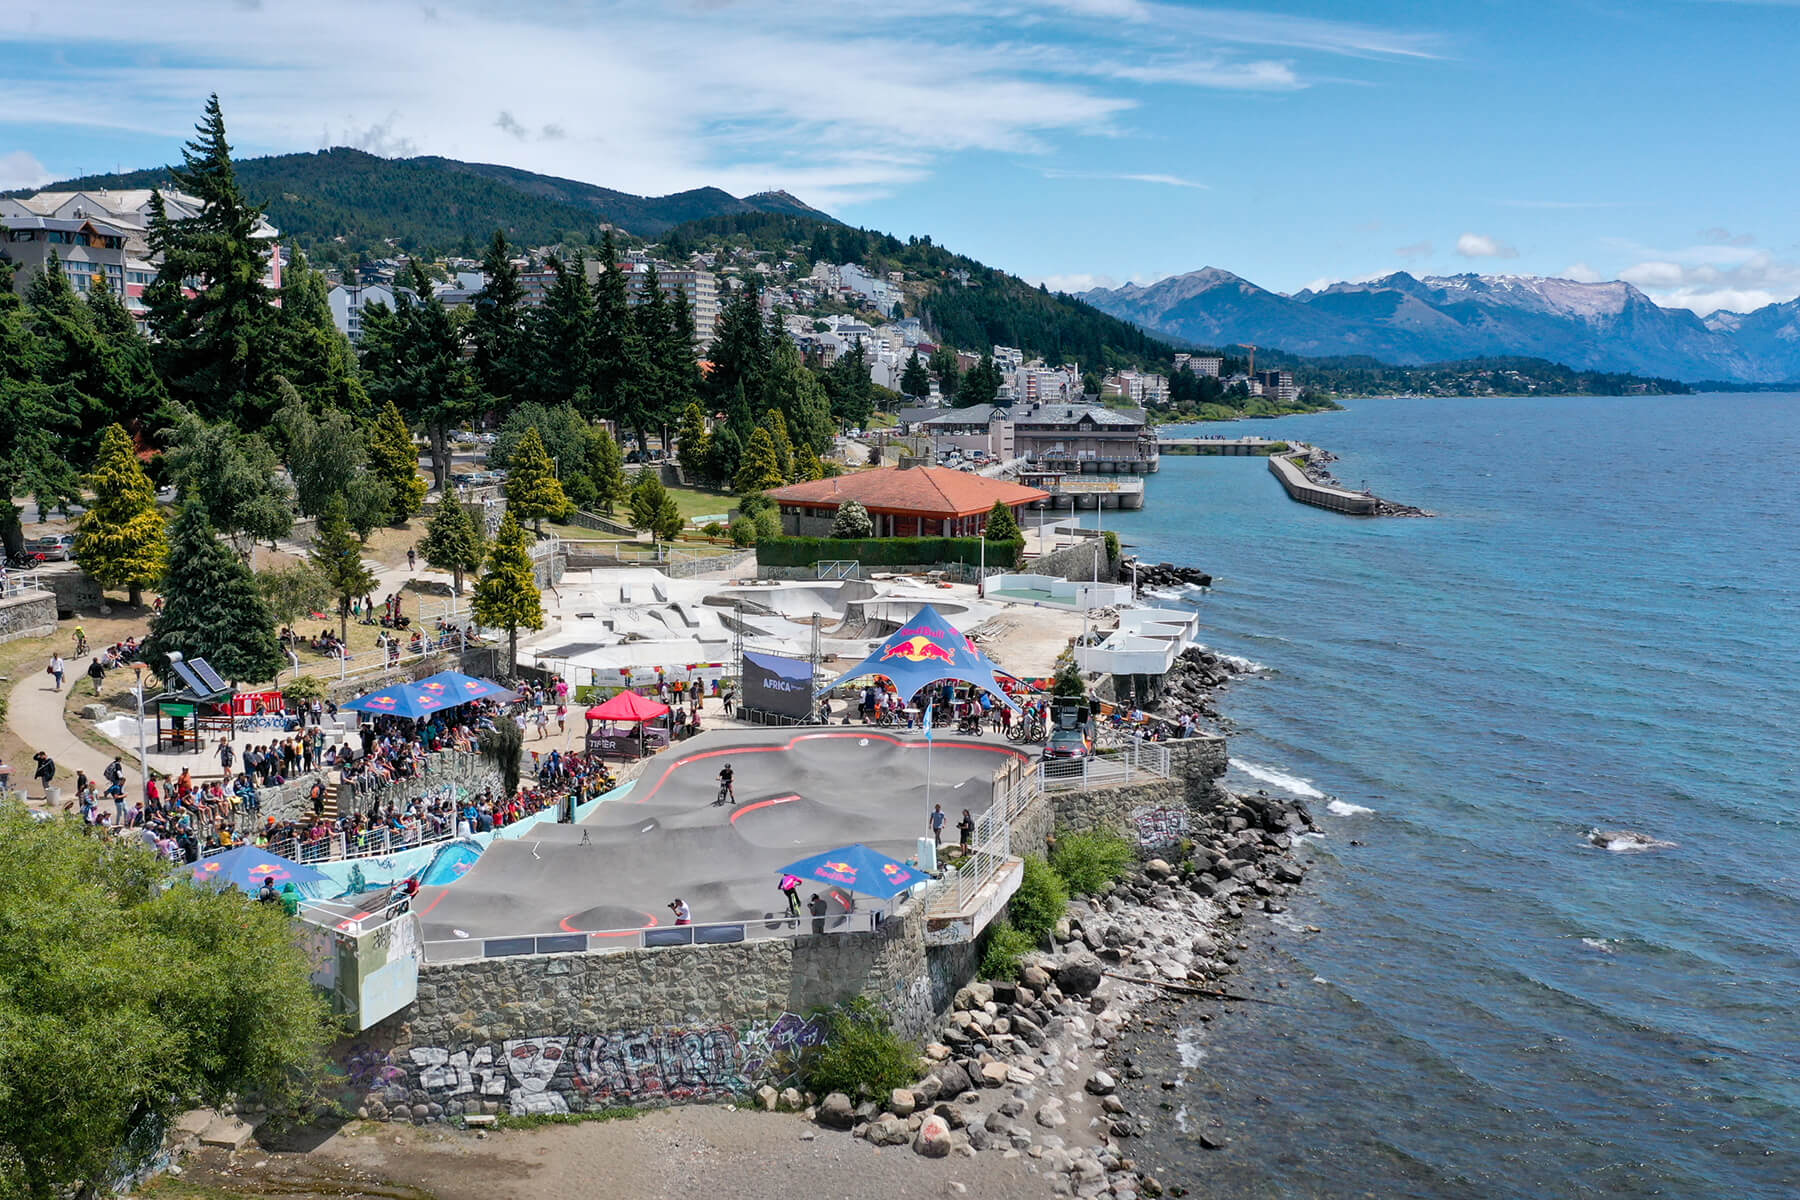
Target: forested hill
x,y
439,205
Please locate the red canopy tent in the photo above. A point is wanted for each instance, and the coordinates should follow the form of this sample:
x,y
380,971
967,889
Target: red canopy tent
x,y
628,706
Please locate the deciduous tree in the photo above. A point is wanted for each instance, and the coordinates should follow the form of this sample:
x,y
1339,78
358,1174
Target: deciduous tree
x,y
232,476
121,540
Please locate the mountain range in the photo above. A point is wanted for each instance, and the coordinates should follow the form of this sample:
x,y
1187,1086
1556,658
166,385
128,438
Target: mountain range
x,y
440,204
1406,320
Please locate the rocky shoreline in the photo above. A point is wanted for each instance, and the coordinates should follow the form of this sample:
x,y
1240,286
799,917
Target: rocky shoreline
x,y
1162,575
1316,466
1030,1070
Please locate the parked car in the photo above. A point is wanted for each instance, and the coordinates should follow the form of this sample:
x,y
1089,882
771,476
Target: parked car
x,y
53,547
1068,743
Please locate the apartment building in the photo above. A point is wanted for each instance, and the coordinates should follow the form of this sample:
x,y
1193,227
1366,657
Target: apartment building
x,y
1201,364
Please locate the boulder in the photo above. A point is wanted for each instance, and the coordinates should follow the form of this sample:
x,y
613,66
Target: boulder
x,y
792,1100
1051,1116
1078,976
95,712
1035,978
836,1111
901,1102
228,1133
952,1079
888,1131
1157,868
933,1139
994,1074
926,1090
767,1097
1101,1083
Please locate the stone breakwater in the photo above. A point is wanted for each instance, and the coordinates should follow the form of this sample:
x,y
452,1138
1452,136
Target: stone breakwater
x,y
1316,465
1162,575
1022,1069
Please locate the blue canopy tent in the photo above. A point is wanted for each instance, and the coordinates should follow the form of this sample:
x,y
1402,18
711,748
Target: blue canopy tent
x,y
453,687
859,869
397,700
245,868
923,651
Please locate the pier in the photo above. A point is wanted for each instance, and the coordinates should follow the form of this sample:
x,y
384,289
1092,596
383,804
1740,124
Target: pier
x,y
1299,487
1242,447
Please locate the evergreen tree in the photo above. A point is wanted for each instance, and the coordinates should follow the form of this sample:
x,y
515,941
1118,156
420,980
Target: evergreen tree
x,y
565,435
669,521
980,385
852,521
413,357
739,352
395,461
211,607
613,352
562,340
915,380
533,491
607,463
807,466
99,374
759,469
498,325
1002,525
313,357
218,339
797,394
647,496
233,477
724,456
337,553
36,429
851,390
452,542
506,595
121,541
784,445
943,365
693,443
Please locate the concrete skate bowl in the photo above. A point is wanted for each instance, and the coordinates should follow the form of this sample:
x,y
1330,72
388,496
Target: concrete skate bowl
x,y
607,882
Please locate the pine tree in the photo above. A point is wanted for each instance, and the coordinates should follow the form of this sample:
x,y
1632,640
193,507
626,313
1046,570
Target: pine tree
x,y
36,428
337,552
610,350
395,461
498,325
413,356
607,462
1002,525
218,339
980,385
506,595
233,476
452,542
915,380
211,607
669,522
797,394
647,496
532,489
723,456
692,442
784,445
807,466
739,351
759,468
852,521
562,330
121,541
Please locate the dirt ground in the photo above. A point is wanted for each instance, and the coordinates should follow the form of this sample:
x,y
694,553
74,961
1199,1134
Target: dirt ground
x,y
1028,640
702,1152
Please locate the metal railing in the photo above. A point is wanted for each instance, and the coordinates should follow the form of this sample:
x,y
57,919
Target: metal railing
x,y
1112,768
380,661
1014,789
20,582
714,933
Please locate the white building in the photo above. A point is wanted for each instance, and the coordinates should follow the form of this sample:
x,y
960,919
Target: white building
x,y
348,301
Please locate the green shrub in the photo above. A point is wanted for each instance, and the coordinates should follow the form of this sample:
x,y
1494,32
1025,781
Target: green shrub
x,y
861,1054
712,529
885,551
1090,862
303,689
743,532
1039,903
1005,946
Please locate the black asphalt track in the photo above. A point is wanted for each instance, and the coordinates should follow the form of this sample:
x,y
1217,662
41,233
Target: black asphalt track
x,y
799,792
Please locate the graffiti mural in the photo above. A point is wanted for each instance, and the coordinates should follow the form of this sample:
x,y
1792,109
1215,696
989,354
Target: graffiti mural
x,y
1162,825
591,1070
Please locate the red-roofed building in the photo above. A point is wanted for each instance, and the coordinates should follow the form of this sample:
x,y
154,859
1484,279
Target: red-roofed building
x,y
902,501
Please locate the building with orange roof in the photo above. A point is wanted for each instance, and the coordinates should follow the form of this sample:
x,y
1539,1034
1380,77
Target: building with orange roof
x,y
902,501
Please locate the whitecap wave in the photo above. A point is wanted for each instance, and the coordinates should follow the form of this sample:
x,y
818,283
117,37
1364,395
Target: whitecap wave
x,y
1291,784
1600,944
1181,1119
1344,808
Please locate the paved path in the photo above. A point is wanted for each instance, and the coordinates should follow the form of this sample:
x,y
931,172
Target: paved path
x,y
35,715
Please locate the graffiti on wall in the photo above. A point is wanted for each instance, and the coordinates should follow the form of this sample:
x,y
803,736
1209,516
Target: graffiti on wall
x,y
1161,825
601,1070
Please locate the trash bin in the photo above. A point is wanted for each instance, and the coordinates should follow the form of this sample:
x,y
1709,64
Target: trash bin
x,y
52,797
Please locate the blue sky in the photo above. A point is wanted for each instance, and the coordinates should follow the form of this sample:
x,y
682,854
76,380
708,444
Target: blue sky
x,y
1074,141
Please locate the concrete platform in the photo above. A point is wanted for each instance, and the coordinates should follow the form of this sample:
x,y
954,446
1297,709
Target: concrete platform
x,y
799,792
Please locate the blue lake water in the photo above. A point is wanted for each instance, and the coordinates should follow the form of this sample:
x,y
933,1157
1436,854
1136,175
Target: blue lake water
x,y
1600,630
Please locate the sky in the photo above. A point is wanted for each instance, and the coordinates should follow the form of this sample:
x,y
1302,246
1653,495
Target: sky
x,y
1076,142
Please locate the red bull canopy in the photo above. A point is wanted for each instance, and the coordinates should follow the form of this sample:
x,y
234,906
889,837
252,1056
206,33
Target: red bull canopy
x,y
925,650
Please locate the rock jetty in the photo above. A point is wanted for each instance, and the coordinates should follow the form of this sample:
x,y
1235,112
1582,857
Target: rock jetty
x,y
1316,466
1162,575
1020,1067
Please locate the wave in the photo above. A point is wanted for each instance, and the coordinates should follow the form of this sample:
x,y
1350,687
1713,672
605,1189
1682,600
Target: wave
x,y
1188,1047
1344,808
1291,784
1603,945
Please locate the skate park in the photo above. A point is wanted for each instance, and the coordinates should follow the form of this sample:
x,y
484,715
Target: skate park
x,y
607,880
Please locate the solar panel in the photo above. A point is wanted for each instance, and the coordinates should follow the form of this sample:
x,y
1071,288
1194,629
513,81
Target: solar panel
x,y
209,677
188,678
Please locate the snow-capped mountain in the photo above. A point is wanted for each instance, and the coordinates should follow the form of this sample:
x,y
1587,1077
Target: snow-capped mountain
x,y
1402,319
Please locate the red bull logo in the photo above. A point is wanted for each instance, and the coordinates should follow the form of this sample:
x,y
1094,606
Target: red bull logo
x,y
896,874
433,688
382,702
918,648
837,872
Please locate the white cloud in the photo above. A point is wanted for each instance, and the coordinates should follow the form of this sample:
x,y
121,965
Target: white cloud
x,y
1729,276
20,170
1582,273
1079,281
1480,245
1654,274
660,96
1126,177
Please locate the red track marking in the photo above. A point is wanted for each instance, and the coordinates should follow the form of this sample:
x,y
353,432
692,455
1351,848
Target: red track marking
x,y
568,928
749,808
441,890
851,732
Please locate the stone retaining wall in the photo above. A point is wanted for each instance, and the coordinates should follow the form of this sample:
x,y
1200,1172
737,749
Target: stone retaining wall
x,y
1075,562
1151,810
27,614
